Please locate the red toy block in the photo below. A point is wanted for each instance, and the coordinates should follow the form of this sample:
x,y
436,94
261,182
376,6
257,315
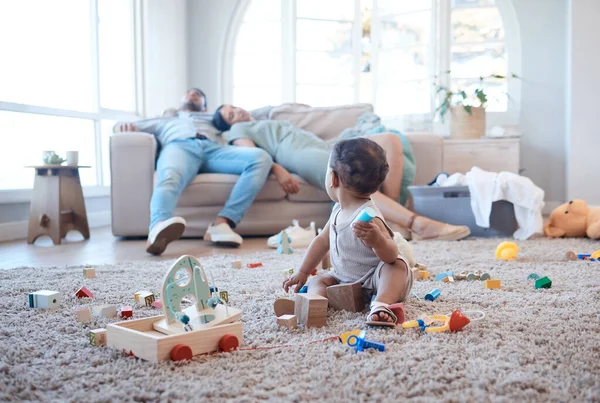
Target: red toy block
x,y
83,292
398,309
254,265
126,312
157,304
314,272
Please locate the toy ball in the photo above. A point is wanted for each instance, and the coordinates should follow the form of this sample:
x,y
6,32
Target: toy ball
x,y
507,251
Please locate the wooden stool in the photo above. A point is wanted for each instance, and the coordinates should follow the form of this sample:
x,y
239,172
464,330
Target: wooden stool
x,y
57,204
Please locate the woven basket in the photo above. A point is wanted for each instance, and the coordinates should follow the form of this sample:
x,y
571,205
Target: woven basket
x,y
465,126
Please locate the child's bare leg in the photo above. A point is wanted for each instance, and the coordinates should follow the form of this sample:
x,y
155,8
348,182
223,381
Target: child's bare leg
x,y
392,287
318,285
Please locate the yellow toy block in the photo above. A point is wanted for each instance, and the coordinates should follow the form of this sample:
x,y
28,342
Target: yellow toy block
x,y
423,275
287,273
492,283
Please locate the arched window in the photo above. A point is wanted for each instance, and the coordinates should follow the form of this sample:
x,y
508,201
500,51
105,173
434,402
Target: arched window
x,y
384,52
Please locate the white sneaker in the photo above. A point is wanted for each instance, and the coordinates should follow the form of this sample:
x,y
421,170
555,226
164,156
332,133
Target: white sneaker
x,y
164,233
222,234
301,237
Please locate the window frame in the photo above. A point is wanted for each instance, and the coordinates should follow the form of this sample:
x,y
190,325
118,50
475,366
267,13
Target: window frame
x,y
440,52
24,195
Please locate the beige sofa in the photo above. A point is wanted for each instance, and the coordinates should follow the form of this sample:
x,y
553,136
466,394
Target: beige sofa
x,y
132,164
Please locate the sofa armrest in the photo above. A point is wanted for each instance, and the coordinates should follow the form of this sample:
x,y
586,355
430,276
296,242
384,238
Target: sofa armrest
x,y
429,156
132,159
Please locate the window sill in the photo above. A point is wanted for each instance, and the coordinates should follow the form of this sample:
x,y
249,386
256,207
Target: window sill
x,y
24,195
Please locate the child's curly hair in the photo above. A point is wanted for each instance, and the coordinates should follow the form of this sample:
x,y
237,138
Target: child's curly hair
x,y
360,164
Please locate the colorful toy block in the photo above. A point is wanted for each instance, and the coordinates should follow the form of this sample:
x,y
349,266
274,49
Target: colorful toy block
x,y
311,310
157,304
423,275
346,297
105,311
146,296
83,292
303,290
84,315
97,337
420,266
284,241
289,321
126,312
432,295
44,299
448,279
398,309
442,276
287,272
543,282
492,284
224,295
236,264
88,272
254,265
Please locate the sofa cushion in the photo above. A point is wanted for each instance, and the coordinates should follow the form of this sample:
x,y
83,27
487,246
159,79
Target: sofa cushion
x,y
325,122
214,189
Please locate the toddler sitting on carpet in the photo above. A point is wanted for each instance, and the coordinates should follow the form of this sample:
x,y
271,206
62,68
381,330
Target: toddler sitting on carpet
x,y
363,252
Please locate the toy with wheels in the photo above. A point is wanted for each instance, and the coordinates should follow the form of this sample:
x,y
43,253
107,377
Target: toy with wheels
x,y
204,327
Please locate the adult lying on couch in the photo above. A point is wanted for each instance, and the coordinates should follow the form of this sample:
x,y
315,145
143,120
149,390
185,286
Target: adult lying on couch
x,y
307,155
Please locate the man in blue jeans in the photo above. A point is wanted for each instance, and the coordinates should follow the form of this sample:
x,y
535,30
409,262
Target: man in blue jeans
x,y
190,144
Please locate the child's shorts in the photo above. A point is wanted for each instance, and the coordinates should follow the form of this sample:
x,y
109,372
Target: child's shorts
x,y
371,283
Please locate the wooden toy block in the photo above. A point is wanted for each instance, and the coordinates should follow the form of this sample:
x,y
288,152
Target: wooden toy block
x,y
543,282
224,295
84,315
284,242
492,283
423,275
311,310
98,337
126,312
236,264
44,299
420,266
346,297
157,304
289,321
89,272
83,292
287,272
442,276
448,279
144,296
104,311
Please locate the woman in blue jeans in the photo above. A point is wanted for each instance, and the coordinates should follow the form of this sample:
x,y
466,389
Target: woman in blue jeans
x,y
303,153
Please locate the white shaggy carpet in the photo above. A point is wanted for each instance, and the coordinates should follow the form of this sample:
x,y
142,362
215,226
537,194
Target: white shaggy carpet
x,y
533,345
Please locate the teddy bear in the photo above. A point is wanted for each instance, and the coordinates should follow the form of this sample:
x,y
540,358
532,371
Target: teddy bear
x,y
574,219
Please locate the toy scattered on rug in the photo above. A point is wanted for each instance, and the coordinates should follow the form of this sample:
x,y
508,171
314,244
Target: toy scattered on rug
x,y
89,272
492,284
507,251
254,265
540,282
83,292
432,295
206,326
571,255
284,241
360,343
574,219
146,297
44,299
453,322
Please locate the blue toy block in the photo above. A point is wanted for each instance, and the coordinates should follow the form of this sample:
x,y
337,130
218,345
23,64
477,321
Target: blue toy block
x,y
360,343
303,289
366,215
433,294
441,276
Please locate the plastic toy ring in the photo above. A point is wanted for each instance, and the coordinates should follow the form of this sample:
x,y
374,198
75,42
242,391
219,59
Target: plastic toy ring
x,y
352,340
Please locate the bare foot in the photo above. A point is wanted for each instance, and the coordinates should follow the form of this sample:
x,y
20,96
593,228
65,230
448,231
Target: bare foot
x,y
381,317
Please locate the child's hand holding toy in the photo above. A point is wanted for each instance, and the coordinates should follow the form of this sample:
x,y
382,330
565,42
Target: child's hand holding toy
x,y
369,233
298,279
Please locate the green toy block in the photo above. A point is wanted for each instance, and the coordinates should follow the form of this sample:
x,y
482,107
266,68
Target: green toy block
x,y
543,282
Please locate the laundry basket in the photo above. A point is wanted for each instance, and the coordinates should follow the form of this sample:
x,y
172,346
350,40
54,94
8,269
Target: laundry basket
x,y
452,205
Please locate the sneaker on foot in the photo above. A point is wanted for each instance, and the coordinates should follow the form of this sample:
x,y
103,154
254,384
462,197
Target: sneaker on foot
x,y
301,237
222,234
164,233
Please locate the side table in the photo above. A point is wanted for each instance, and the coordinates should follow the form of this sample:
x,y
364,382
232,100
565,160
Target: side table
x,y
57,205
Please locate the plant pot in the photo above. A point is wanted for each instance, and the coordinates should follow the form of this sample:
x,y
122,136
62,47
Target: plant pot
x,y
465,126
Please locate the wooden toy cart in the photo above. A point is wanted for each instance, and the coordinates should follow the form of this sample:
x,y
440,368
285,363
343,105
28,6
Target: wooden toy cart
x,y
202,328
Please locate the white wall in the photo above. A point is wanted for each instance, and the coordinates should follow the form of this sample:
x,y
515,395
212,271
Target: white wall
x,y
165,54
583,77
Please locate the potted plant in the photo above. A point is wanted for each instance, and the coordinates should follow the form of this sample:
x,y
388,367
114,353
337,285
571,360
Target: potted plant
x,y
467,109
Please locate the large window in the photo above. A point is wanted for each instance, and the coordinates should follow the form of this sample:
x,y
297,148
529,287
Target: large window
x,y
386,52
68,71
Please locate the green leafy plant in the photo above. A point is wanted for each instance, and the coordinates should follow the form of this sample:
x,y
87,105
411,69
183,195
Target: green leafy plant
x,y
54,159
452,98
